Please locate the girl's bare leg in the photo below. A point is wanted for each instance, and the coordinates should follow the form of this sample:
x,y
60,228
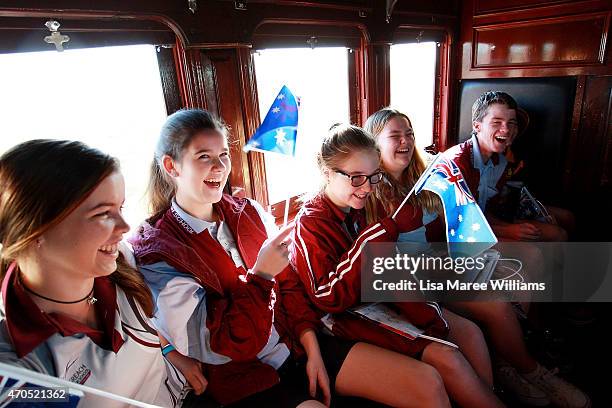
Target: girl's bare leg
x,y
462,383
502,328
390,378
468,336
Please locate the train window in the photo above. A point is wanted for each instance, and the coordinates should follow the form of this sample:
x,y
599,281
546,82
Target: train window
x,y
413,74
319,77
110,98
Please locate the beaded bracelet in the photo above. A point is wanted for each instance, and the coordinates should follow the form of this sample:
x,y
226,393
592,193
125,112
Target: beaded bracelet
x,y
167,349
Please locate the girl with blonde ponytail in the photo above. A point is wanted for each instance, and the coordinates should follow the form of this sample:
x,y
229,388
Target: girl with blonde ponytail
x,y
231,314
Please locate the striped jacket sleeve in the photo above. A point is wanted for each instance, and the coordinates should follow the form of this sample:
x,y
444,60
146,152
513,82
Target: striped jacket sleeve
x,y
328,263
236,327
294,302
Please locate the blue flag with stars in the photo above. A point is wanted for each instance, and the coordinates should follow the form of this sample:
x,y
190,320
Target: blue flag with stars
x,y
278,131
467,231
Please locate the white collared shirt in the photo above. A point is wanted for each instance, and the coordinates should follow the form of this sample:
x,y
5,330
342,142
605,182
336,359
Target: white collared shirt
x,y
181,301
490,174
220,231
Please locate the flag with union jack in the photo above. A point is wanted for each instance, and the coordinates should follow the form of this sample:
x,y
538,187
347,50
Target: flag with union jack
x,y
467,231
278,131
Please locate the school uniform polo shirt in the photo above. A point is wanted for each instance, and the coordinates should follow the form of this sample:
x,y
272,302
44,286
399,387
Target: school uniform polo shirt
x,y
174,290
122,357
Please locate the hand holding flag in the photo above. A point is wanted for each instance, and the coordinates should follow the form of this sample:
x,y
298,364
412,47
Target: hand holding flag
x,y
467,231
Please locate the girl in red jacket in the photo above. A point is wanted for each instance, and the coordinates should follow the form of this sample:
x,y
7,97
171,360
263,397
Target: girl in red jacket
x,y
230,315
527,380
326,253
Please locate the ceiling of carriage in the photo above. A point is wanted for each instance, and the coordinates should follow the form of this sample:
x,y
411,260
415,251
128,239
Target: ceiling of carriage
x,y
212,22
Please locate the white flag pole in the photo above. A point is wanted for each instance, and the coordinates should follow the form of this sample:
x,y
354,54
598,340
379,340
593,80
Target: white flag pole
x,y
420,181
286,215
44,380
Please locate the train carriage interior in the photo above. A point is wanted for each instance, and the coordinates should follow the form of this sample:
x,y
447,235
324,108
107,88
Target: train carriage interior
x,y
109,72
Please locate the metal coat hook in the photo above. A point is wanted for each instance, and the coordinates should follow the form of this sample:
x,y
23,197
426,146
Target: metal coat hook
x,y
312,41
193,5
419,37
56,38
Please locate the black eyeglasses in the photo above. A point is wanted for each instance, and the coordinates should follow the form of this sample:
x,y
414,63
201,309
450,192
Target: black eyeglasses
x,y
360,179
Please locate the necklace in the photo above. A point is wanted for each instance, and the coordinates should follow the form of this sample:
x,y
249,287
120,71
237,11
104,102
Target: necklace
x,y
90,297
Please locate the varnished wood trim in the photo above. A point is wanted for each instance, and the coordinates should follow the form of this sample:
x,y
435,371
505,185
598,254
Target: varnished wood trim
x,y
95,15
572,146
169,79
255,160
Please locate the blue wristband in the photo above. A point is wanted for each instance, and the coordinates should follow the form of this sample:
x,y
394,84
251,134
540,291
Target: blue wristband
x,y
167,349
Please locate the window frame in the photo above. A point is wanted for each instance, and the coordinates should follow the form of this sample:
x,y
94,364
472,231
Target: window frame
x,y
405,34
356,93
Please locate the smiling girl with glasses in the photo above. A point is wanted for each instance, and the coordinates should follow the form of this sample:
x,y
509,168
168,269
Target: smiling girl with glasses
x,y
326,253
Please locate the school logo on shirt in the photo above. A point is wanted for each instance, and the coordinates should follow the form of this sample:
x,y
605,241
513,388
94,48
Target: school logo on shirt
x,y
181,221
81,374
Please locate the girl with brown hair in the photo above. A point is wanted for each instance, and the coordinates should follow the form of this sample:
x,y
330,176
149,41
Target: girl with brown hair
x,y
71,306
232,316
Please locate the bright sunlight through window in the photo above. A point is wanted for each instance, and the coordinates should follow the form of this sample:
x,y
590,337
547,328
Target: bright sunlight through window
x,y
413,73
110,98
319,77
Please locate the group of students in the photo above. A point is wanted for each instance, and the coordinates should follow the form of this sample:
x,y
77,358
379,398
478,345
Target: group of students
x,y
214,306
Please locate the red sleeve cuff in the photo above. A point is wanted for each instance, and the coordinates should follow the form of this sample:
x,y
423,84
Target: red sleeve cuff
x,y
257,280
391,229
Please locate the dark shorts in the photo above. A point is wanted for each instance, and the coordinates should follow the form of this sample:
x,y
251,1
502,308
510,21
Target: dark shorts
x,y
293,387
334,351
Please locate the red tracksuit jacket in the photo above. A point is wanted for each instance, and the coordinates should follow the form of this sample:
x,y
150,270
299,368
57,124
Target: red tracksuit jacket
x,y
329,264
241,307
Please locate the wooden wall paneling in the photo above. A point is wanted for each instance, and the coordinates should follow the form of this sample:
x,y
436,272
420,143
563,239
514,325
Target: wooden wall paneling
x,y
275,34
440,95
166,12
256,162
191,76
361,84
354,86
574,137
208,88
606,178
377,76
443,112
542,42
223,82
509,11
222,75
590,171
219,24
496,6
17,38
169,79
590,190
566,38
448,109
